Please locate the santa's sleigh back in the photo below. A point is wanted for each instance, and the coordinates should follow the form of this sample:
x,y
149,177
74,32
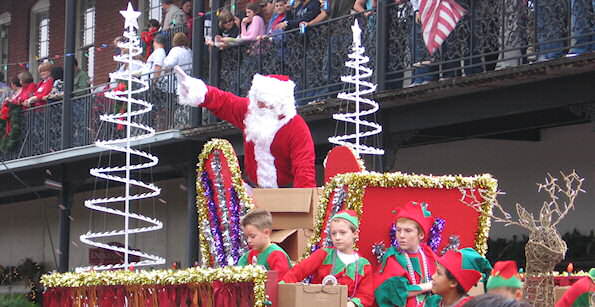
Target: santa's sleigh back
x,y
300,216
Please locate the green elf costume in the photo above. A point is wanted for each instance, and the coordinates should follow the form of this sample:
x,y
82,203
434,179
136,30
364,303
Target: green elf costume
x,y
401,272
581,294
505,275
468,267
273,258
329,263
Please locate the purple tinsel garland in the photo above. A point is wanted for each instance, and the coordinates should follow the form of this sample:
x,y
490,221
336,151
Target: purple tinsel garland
x,y
214,221
393,236
436,233
234,225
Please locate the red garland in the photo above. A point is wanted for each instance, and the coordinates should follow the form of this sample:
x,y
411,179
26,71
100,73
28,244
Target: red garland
x,y
5,116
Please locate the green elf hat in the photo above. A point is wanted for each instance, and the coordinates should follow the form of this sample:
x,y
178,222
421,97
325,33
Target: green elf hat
x,y
504,274
466,265
348,215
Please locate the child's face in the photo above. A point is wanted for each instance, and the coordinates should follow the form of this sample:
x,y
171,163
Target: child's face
x,y
441,285
512,293
342,236
408,235
280,7
257,239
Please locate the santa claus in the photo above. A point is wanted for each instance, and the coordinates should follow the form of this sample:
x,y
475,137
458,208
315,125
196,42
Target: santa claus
x,y
278,146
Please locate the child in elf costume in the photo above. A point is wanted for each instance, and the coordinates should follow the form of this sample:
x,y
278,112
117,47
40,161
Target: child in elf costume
x,y
404,277
257,226
457,272
581,294
505,280
340,264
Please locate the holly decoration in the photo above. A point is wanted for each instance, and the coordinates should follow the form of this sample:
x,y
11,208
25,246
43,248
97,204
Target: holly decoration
x,y
10,126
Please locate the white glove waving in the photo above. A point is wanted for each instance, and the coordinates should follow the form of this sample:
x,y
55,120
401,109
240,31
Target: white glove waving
x,y
191,91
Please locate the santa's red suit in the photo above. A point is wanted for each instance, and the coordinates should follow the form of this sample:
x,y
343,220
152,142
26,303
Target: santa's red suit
x,y
278,150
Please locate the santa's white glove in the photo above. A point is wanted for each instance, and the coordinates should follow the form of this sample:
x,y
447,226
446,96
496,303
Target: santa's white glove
x,y
191,91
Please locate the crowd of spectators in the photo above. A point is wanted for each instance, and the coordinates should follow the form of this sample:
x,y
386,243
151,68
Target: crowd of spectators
x,y
496,35
23,91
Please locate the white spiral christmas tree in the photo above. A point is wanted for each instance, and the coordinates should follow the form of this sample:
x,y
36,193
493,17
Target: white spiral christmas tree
x,y
122,173
363,106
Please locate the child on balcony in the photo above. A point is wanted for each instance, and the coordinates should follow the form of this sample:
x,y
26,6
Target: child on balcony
x,y
257,226
252,27
340,264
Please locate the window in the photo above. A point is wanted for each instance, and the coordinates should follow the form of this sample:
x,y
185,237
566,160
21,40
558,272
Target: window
x,y
4,23
39,45
154,10
87,38
43,37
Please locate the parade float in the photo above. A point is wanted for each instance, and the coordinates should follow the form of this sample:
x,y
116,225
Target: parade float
x,y
462,206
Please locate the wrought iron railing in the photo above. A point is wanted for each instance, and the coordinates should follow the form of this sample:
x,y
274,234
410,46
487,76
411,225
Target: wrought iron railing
x,y
41,127
494,34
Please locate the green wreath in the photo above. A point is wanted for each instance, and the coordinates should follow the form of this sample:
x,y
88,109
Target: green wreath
x,y
8,142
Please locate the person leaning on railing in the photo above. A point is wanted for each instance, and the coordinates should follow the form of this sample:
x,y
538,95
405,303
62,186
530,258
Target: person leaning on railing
x,y
15,90
81,80
179,55
187,9
174,16
302,12
43,88
27,88
157,58
229,27
57,92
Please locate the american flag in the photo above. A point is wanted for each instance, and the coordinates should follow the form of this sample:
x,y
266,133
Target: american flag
x,y
438,19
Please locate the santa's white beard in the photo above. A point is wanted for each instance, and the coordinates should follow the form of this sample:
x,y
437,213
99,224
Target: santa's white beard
x,y
261,124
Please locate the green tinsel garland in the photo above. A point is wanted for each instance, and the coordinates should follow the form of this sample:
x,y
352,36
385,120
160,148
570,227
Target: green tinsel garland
x,y
8,142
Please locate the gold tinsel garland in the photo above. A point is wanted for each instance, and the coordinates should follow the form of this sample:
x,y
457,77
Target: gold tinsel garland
x,y
355,184
201,201
230,274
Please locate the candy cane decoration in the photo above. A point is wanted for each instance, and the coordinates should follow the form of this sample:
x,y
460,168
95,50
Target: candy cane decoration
x,y
357,59
135,108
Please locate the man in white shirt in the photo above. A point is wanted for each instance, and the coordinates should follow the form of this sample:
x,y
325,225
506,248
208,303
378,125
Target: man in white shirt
x,y
155,60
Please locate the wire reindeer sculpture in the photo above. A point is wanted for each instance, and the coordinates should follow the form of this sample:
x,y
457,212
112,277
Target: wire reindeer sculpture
x,y
545,247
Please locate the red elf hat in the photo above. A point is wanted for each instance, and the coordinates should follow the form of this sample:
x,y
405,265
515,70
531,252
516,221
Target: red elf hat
x,y
466,265
417,212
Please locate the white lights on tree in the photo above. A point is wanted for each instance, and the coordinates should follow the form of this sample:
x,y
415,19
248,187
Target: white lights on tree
x,y
363,106
135,132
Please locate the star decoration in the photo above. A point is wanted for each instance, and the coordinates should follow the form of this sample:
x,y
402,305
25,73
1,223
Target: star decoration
x,y
131,17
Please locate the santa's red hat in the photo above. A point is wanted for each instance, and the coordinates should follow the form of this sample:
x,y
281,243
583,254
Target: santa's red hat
x,y
418,212
466,265
274,90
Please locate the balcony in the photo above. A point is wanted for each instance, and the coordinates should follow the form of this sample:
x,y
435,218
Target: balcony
x,y
498,44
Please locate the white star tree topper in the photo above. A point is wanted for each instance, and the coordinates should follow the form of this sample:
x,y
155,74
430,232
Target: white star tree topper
x,y
130,17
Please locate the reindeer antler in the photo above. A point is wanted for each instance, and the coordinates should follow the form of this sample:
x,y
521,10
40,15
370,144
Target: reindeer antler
x,y
469,198
571,189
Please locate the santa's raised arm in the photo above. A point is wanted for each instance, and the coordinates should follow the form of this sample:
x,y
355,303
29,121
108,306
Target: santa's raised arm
x,y
278,146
